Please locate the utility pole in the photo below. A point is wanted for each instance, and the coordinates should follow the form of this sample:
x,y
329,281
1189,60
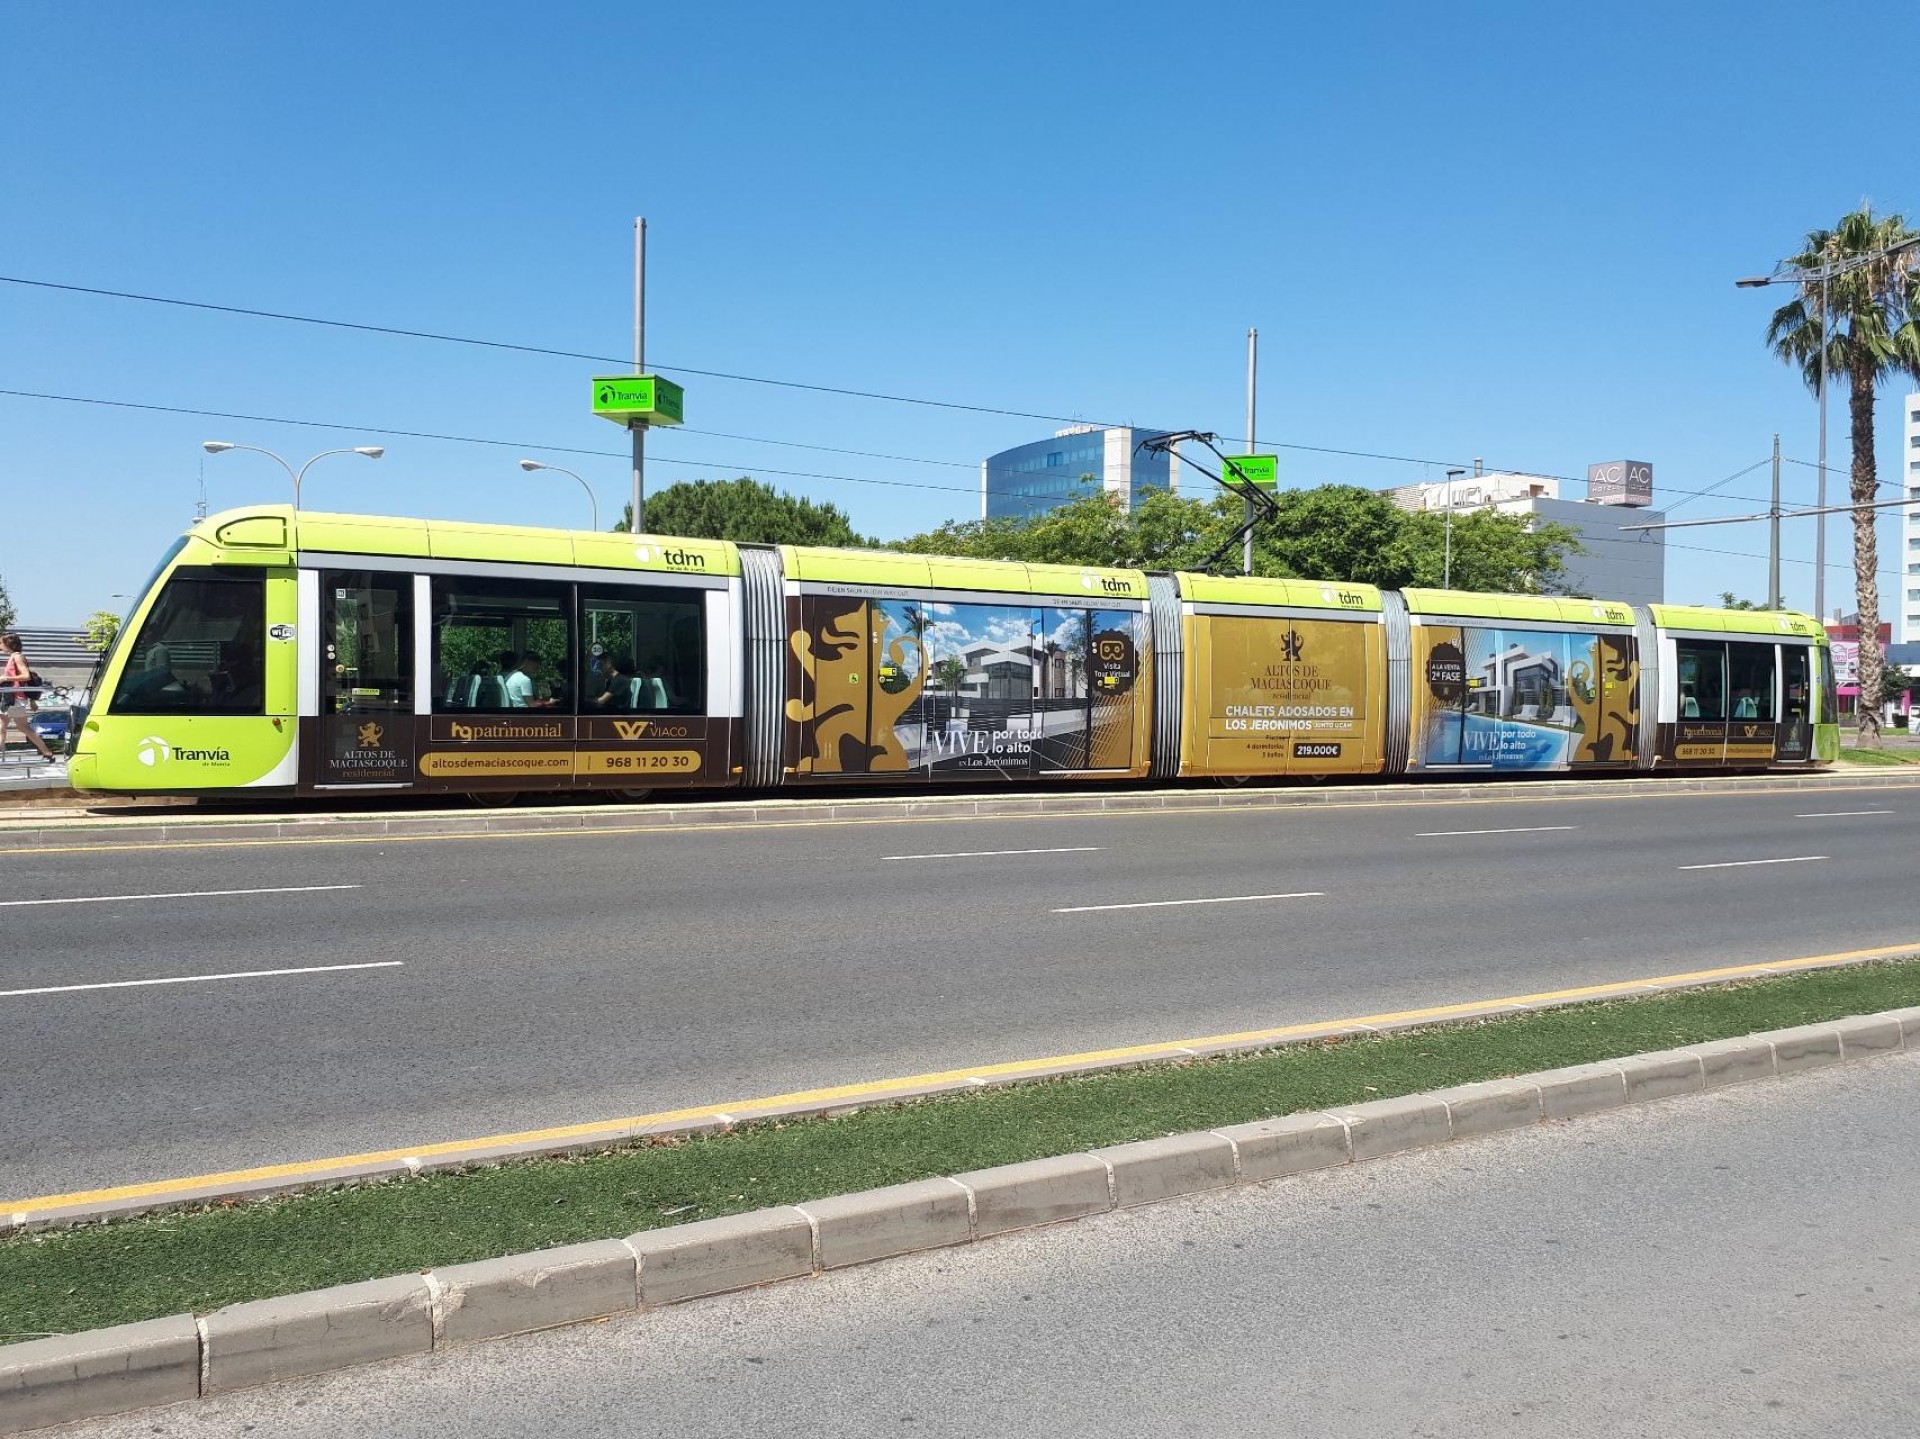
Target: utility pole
x,y
1446,573
1774,601
638,429
1253,369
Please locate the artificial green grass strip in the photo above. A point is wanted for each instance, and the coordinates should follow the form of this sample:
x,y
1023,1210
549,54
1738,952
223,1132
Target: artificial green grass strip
x,y
143,1268
1880,756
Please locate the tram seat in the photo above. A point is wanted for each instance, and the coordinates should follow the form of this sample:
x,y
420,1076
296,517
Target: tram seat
x,y
646,693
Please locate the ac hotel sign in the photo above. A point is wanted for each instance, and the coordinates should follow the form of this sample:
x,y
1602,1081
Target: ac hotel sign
x,y
1620,482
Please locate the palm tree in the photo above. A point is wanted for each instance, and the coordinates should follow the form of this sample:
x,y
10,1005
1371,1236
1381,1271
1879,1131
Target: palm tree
x,y
1868,309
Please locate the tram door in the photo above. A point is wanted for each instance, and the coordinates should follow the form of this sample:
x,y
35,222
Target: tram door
x,y
1700,729
1794,741
366,679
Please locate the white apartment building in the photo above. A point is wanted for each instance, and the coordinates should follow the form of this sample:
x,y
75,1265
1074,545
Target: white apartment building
x,y
1620,564
1909,480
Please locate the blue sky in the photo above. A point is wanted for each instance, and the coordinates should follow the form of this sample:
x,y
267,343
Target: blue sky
x,y
1504,231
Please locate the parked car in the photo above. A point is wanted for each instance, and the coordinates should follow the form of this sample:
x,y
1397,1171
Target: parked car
x,y
56,727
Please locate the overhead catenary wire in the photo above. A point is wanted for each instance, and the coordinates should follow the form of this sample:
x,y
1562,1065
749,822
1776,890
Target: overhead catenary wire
x,y
1762,559
735,466
1839,472
551,352
554,352
1687,496
470,440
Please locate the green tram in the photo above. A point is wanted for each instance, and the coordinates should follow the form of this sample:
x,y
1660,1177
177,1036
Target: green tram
x,y
302,653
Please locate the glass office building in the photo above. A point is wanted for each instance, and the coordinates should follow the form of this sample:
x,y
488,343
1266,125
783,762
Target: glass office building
x,y
1080,460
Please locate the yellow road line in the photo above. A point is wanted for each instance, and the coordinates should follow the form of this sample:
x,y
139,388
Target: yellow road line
x,y
763,825
881,1088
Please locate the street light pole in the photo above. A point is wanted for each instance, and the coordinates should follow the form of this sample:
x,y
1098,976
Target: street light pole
x,y
1774,601
592,500
220,447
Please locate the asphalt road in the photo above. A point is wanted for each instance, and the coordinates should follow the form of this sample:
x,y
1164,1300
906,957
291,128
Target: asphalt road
x,y
1736,1263
556,978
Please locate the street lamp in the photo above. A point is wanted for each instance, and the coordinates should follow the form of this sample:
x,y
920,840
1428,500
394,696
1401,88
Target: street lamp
x,y
531,465
1446,573
1823,276
219,447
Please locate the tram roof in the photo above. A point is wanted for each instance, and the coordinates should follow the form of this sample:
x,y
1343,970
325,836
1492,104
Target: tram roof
x,y
256,534
1738,622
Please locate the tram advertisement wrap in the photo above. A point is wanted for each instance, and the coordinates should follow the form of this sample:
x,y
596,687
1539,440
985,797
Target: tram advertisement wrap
x,y
1523,699
952,689
1280,696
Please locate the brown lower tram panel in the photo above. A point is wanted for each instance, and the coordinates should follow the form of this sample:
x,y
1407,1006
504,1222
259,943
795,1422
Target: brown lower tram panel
x,y
1734,744
523,751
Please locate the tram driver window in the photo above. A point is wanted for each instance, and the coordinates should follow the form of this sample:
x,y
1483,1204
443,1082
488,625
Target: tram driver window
x,y
1703,680
199,651
500,646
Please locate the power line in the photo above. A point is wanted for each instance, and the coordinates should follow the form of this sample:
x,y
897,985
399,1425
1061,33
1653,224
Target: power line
x,y
1737,474
472,440
737,466
830,449
1836,470
556,353
1744,555
552,353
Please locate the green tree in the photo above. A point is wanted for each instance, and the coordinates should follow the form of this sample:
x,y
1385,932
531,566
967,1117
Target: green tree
x,y
6,609
746,511
1162,532
1870,316
103,627
1331,532
1492,552
1728,602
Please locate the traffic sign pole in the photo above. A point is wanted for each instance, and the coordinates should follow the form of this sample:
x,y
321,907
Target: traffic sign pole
x,y
639,429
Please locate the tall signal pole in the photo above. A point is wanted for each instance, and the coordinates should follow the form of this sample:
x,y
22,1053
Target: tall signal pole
x,y
638,429
1253,369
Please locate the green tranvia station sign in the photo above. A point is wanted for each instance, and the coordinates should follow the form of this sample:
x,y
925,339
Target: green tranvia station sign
x,y
638,400
1261,471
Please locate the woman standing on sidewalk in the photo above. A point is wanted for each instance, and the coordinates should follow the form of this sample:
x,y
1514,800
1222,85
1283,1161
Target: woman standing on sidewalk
x,y
16,686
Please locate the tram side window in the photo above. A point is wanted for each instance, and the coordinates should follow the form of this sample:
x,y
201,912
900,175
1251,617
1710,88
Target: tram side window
x,y
1703,680
500,646
1750,678
199,651
645,650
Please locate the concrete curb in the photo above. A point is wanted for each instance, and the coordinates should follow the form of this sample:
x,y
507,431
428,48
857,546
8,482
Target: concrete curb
x,y
275,1180
107,1371
155,828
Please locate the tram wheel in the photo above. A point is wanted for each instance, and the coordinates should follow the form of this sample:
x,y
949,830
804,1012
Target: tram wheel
x,y
492,798
632,796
